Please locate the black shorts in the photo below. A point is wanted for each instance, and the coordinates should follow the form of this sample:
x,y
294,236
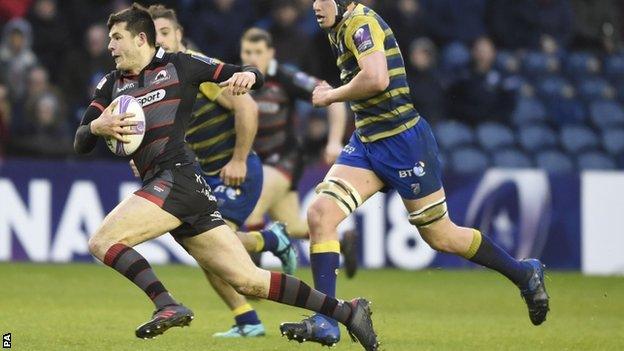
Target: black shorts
x,y
183,192
289,163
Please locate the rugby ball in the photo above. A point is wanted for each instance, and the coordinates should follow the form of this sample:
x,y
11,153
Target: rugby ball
x,y
127,103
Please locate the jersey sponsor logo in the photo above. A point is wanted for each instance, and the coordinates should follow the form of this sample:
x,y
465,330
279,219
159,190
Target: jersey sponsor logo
x,y
363,39
216,216
152,97
205,59
101,83
161,76
130,85
348,149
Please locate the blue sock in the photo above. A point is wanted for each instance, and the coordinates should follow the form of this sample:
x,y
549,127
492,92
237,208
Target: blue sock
x,y
486,252
325,260
247,315
270,240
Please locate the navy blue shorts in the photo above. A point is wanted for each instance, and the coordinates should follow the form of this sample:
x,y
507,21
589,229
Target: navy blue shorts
x,y
237,203
407,162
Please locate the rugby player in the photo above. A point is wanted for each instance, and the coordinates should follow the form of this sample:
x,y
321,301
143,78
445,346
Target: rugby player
x,y
175,197
277,144
221,133
392,147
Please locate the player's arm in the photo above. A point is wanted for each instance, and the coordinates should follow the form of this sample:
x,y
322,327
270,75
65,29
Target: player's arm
x,y
365,39
300,85
337,117
238,79
245,112
99,120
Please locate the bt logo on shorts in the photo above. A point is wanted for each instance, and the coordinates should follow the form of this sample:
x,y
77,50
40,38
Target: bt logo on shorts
x,y
418,171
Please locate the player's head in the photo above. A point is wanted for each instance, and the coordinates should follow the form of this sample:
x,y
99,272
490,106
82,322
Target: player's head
x,y
132,37
257,48
168,29
330,12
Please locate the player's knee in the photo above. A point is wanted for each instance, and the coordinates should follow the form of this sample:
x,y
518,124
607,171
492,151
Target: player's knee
x,y
318,216
246,284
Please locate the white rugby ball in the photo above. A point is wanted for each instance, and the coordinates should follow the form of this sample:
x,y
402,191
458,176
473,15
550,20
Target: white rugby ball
x,y
127,103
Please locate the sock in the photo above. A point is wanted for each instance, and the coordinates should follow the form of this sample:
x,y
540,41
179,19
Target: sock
x,y
245,314
133,266
485,252
294,292
269,239
325,260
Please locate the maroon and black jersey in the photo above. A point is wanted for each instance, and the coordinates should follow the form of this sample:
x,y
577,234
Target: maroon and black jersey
x,y
276,104
166,88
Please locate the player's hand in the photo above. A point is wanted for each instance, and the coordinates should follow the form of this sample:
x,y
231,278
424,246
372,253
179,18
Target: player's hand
x,y
332,150
321,96
240,83
234,173
134,169
113,126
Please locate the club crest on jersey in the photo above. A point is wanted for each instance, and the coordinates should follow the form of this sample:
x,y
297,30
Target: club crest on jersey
x,y
161,76
363,39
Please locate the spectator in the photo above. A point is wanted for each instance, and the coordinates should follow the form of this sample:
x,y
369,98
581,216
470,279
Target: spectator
x,y
455,20
425,81
49,136
16,59
597,25
5,119
287,37
38,86
482,92
407,20
94,61
50,35
524,24
13,9
218,26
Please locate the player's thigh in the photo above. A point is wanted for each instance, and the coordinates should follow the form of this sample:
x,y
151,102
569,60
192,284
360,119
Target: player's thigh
x,y
220,252
134,221
342,183
287,210
274,186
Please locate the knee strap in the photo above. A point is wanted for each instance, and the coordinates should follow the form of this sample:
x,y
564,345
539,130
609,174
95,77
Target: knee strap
x,y
341,192
429,215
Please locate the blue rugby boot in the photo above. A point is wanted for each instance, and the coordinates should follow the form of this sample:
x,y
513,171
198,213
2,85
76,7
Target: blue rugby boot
x,y
534,293
242,331
317,328
285,251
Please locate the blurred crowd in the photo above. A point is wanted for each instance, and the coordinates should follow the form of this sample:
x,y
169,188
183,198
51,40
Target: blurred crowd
x,y
467,60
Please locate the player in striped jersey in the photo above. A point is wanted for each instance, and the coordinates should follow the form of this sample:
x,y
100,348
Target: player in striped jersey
x,y
392,147
221,133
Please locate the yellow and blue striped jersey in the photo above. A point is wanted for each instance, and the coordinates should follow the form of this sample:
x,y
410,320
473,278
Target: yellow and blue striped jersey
x,y
390,112
211,133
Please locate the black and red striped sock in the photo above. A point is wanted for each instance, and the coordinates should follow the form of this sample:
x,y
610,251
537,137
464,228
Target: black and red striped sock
x,y
133,266
294,292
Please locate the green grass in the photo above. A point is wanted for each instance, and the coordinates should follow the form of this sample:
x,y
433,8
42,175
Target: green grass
x,y
89,307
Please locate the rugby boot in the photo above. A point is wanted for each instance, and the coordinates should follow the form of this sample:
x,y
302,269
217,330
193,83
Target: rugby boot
x,y
163,319
534,293
242,331
316,328
285,251
348,248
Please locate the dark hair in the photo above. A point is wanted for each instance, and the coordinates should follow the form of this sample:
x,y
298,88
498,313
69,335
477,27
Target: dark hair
x,y
160,11
137,20
255,35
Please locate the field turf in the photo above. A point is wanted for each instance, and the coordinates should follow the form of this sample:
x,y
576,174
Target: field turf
x,y
90,307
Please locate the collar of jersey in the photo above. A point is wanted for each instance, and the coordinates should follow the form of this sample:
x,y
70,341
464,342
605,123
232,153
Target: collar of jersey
x,y
359,9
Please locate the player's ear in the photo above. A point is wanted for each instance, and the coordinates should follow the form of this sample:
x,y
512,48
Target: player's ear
x,y
140,39
272,52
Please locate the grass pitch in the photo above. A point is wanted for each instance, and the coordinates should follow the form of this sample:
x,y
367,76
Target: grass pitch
x,y
90,307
